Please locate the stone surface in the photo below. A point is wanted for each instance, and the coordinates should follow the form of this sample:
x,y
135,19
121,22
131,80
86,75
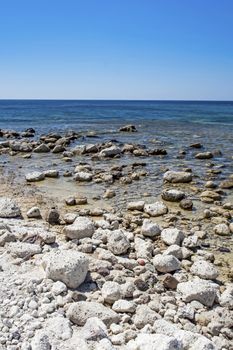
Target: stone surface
x,y
118,242
34,213
154,342
173,195
177,176
204,269
35,176
199,290
166,263
156,209
9,208
111,292
172,236
136,205
82,227
67,266
150,229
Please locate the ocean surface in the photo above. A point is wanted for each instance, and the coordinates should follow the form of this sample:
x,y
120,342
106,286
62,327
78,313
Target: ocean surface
x,y
62,115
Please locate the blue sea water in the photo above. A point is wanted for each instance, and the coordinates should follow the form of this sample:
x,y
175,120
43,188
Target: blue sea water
x,y
61,115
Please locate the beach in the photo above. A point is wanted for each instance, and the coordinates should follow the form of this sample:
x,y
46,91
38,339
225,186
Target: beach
x,y
116,225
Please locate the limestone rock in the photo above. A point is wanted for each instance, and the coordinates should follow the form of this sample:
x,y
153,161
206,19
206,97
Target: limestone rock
x,y
110,151
166,263
177,176
118,242
156,209
150,229
136,205
35,176
34,213
23,249
204,269
81,228
172,236
111,292
154,342
173,195
83,176
9,208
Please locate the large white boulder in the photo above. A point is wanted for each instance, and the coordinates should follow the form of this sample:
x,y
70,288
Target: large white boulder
x,y
81,228
155,209
146,341
118,242
81,311
177,176
150,229
35,176
8,208
67,266
198,289
172,236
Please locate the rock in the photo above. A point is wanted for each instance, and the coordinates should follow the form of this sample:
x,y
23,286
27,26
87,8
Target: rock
x,y
58,149
172,236
59,288
156,209
122,305
83,176
40,342
110,151
111,292
35,176
118,242
146,341
23,250
109,194
70,201
172,195
150,229
211,195
58,327
177,176
169,281
51,173
81,311
42,148
166,263
226,298
196,145
128,128
144,316
81,200
136,205
190,241
67,266
6,236
9,208
34,213
222,230
143,249
53,217
204,269
186,204
204,155
175,250
81,228
198,289
94,330
226,184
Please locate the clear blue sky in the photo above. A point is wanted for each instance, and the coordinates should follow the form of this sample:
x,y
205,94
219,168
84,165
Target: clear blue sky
x,y
116,49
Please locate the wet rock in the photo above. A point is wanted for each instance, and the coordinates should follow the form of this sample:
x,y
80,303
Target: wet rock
x,y
177,176
222,230
42,148
150,229
210,194
109,194
204,269
70,201
156,209
83,176
9,208
34,213
204,155
172,236
80,312
58,149
110,151
82,227
226,184
196,145
166,263
128,128
186,204
35,176
51,173
67,266
199,290
173,195
118,242
136,205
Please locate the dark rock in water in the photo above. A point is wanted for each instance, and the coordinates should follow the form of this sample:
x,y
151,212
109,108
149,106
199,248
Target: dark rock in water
x,y
128,128
227,184
196,145
186,204
30,130
204,155
224,250
53,217
157,152
71,201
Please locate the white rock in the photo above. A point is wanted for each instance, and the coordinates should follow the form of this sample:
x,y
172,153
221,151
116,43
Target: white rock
x,y
150,229
154,342
204,269
144,316
174,250
67,266
226,298
166,263
136,205
94,330
81,228
34,212
123,305
143,249
58,327
173,195
198,289
155,209
222,230
177,176
83,176
81,311
118,242
8,208
172,236
190,241
51,173
110,151
59,288
111,292
35,176
23,249
40,342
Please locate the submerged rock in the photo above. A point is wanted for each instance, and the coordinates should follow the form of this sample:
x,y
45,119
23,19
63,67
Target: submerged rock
x,y
177,176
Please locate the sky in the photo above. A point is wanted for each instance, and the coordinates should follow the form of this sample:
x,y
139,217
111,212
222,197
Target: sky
x,y
116,49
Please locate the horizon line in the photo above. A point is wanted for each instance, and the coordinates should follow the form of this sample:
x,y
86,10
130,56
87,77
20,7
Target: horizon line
x,y
114,99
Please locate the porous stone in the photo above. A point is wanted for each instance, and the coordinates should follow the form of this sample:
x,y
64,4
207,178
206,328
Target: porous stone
x,y
94,330
81,228
173,195
136,205
67,266
166,263
111,292
154,342
150,229
222,230
118,242
204,269
9,208
110,151
172,236
83,176
177,176
123,306
23,249
156,209
34,213
35,176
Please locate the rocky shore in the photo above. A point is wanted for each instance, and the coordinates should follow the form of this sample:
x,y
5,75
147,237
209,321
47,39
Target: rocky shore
x,y
114,245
